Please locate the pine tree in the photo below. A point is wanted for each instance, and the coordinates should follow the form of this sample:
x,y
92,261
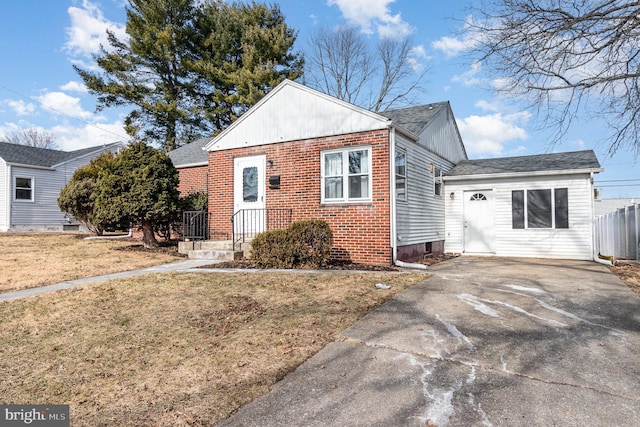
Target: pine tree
x,y
189,68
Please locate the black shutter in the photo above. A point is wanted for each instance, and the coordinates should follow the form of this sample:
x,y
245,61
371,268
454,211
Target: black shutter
x,y
517,209
562,207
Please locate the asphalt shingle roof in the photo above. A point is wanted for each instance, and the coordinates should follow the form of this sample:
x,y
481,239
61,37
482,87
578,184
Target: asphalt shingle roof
x,y
414,119
537,163
191,153
34,156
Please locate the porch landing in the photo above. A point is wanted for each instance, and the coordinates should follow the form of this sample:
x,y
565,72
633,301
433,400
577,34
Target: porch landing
x,y
221,250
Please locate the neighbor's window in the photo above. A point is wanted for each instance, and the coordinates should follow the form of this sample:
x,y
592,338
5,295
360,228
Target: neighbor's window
x,y
346,175
401,175
437,181
545,208
23,188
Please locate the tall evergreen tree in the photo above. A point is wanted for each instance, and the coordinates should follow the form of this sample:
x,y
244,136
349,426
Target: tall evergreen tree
x,y
245,50
188,68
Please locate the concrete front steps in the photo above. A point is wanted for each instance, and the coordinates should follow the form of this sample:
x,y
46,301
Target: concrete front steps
x,y
220,250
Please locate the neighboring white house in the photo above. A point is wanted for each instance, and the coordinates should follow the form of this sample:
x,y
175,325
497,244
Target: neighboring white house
x,y
30,181
528,206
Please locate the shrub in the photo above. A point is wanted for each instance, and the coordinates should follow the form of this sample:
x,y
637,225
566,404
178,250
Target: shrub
x,y
312,241
272,249
304,243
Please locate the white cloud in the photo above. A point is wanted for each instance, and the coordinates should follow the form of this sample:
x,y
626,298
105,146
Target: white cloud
x,y
74,138
452,46
21,108
88,29
469,78
417,55
488,134
62,104
373,16
74,86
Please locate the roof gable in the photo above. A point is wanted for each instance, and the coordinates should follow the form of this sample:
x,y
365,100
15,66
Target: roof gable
x,y
436,127
553,163
44,157
293,112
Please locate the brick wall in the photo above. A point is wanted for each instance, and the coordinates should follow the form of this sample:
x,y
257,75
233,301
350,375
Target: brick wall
x,y
192,179
361,231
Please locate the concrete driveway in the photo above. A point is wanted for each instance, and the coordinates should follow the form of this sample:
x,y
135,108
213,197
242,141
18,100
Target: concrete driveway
x,y
485,341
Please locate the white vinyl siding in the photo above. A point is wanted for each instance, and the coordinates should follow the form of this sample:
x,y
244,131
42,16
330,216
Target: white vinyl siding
x,y
574,242
5,195
295,112
421,219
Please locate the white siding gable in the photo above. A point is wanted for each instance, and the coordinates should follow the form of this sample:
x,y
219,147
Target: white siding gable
x,y
441,136
293,112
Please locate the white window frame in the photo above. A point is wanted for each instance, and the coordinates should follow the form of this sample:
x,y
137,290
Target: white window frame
x,y
345,175
15,188
437,181
406,195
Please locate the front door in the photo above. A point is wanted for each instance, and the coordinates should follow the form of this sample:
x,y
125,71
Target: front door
x,y
479,222
249,194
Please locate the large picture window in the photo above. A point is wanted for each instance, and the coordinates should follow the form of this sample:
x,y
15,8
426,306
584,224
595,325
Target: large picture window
x,y
346,175
546,208
23,188
401,175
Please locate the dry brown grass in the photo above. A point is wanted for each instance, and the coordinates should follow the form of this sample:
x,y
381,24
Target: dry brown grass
x,y
629,273
29,260
176,349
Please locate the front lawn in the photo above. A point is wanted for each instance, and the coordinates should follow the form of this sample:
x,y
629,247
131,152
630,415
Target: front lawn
x,y
176,349
29,260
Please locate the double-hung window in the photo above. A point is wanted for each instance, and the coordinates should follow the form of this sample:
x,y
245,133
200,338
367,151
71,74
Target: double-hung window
x,y
23,188
546,208
346,175
437,181
401,175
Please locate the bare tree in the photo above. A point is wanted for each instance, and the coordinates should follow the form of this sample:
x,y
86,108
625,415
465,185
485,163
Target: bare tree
x,y
340,63
32,137
568,57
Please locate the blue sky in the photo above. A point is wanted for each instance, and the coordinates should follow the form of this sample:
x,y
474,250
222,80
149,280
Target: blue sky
x,y
40,42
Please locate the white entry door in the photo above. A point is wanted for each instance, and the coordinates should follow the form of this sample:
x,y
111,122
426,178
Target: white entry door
x,y
479,222
249,194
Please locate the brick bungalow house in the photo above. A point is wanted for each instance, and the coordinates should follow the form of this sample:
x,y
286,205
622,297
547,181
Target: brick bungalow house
x,y
192,164
376,179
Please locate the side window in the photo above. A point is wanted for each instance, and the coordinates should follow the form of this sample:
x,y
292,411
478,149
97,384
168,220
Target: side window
x,y
23,188
401,175
437,181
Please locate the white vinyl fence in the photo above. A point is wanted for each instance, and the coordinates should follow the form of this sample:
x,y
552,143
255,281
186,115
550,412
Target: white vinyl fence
x,y
617,233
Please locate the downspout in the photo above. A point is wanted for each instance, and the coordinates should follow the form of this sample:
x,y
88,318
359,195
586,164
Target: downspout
x,y
394,231
392,193
609,261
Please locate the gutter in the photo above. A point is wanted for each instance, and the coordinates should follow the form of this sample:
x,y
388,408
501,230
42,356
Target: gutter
x,y
393,228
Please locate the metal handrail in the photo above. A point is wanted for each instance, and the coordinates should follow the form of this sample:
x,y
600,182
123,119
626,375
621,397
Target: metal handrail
x,y
195,225
248,223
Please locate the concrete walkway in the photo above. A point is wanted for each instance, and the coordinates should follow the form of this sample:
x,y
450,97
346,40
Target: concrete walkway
x,y
163,268
484,342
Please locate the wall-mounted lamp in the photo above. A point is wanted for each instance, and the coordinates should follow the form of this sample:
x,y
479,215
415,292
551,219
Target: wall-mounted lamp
x,y
452,195
270,164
